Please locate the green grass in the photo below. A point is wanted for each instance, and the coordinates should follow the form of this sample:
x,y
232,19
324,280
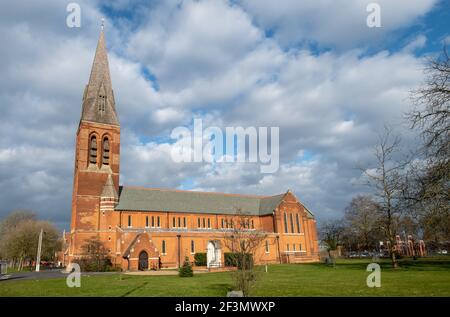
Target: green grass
x,y
425,277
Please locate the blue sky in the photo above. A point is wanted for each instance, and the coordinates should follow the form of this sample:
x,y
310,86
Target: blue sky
x,y
312,68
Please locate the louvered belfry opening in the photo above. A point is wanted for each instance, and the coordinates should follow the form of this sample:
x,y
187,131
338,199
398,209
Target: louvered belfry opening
x,y
93,150
105,156
101,103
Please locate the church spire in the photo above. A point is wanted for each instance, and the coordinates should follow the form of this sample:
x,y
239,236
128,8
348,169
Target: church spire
x,y
98,99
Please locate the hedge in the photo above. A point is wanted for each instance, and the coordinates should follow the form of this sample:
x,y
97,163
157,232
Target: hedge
x,y
200,259
237,259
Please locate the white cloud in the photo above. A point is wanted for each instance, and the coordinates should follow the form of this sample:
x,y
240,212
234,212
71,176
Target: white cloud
x,y
186,41
417,43
209,59
333,22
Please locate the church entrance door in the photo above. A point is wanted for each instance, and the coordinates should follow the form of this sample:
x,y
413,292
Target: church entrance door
x,y
213,254
143,261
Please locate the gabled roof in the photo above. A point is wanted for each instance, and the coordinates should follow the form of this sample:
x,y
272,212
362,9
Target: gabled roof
x,y
155,199
150,199
128,250
99,85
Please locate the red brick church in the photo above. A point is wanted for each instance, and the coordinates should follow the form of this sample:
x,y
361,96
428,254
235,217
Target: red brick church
x,y
145,228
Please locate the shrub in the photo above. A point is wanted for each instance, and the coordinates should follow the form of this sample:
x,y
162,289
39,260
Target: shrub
x,y
95,265
186,269
200,259
95,257
238,260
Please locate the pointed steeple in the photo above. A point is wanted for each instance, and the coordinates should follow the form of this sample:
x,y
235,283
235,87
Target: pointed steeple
x,y
109,191
98,99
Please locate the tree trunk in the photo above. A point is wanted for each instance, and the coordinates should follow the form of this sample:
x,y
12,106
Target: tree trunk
x,y
394,260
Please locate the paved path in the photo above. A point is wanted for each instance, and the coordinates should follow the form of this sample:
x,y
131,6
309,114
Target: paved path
x,y
47,274
58,273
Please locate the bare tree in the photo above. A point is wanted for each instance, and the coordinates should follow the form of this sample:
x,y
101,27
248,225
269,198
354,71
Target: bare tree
x,y
95,256
243,241
331,233
362,220
432,108
428,185
387,180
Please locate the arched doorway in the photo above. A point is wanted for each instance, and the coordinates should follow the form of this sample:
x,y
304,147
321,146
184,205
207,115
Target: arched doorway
x,y
143,261
213,254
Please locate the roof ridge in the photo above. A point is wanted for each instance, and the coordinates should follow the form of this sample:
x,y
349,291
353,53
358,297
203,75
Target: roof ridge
x,y
200,192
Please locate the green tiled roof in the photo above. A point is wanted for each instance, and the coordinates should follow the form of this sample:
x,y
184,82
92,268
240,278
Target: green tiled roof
x,y
143,199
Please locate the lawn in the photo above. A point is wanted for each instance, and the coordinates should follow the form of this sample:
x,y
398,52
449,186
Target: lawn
x,y
425,277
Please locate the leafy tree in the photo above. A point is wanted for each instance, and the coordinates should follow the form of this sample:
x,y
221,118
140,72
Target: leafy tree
x,y
19,234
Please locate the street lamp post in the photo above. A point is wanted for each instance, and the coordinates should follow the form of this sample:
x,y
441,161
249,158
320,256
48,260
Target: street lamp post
x,y
38,257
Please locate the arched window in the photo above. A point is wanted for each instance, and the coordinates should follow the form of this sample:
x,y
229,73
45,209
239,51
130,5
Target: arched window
x,y
93,150
292,223
105,155
285,223
163,247
192,246
267,246
298,222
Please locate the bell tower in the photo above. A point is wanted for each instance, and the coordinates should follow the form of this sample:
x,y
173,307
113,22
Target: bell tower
x,y
97,153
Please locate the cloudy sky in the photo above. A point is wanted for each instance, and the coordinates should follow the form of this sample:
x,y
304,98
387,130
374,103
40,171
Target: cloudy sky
x,y
312,68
